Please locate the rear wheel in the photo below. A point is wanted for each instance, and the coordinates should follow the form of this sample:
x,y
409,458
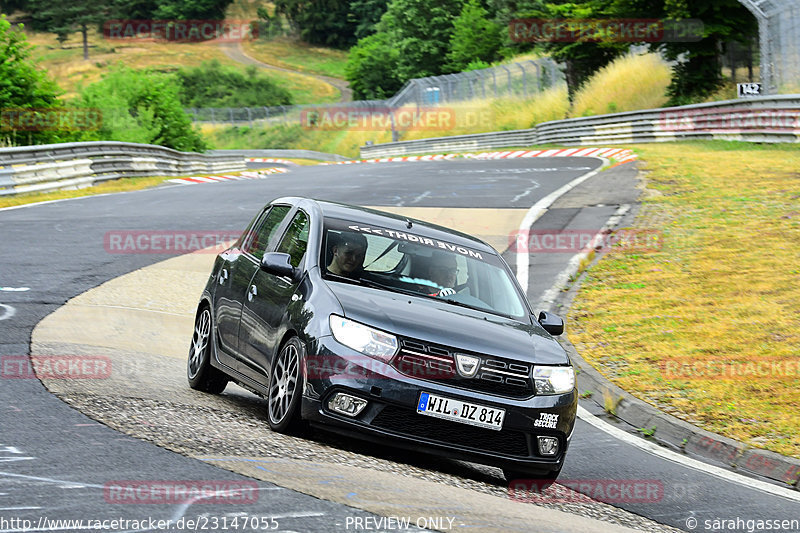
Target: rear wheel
x,y
285,388
202,376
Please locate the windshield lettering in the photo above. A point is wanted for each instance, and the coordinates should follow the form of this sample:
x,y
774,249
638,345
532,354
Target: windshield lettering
x,y
408,237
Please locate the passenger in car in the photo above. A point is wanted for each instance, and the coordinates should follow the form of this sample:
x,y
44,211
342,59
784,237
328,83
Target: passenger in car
x,y
443,270
348,255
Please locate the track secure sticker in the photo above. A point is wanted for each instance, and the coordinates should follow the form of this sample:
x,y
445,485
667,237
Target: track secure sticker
x,y
546,420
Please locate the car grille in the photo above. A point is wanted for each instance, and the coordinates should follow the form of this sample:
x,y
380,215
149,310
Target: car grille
x,y
437,363
407,422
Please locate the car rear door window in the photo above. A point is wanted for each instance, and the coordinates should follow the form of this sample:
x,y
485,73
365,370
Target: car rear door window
x,y
264,230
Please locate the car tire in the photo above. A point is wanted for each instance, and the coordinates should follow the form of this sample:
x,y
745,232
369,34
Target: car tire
x,y
534,481
285,388
201,375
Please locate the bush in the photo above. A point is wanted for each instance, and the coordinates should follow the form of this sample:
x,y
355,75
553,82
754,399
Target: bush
x,y
474,39
143,107
372,68
212,85
23,86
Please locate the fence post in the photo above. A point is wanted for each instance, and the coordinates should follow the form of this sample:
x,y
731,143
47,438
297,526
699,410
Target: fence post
x,y
508,72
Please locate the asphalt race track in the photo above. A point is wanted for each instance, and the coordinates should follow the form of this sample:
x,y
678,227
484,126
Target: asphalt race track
x,y
57,463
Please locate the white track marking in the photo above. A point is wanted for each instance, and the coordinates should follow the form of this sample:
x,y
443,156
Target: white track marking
x,y
549,296
7,312
536,211
684,460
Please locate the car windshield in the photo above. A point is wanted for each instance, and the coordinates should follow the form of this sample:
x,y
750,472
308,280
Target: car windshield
x,y
408,262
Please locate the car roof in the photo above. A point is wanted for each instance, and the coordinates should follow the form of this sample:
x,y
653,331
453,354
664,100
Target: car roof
x,y
372,217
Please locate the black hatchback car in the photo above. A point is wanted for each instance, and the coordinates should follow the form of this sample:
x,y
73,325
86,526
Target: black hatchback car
x,y
388,329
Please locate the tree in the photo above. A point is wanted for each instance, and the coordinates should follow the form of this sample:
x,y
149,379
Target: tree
x,y
475,38
64,17
698,70
421,32
190,9
366,14
22,85
141,106
584,55
324,22
372,68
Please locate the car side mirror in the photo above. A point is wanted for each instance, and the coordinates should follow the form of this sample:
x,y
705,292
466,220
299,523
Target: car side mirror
x,y
279,264
552,324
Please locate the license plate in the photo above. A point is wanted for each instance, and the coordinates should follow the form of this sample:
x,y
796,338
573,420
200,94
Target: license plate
x,y
461,411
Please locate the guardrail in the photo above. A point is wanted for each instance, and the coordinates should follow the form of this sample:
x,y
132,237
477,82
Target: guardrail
x,y
74,165
769,119
286,154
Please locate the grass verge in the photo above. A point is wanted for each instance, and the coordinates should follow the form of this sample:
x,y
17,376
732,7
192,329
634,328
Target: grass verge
x,y
707,327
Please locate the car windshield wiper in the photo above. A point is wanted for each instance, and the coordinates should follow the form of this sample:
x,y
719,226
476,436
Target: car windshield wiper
x,y
482,309
337,277
377,285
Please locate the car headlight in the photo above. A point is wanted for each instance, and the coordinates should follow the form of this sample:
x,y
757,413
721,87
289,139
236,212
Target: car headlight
x,y
364,339
553,379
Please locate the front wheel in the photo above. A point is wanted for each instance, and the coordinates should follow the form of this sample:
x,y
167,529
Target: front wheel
x,y
285,388
202,376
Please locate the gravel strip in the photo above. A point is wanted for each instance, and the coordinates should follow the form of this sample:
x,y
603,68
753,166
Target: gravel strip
x,y
197,430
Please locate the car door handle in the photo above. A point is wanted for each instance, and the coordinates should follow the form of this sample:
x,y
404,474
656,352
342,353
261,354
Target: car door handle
x,y
223,276
253,292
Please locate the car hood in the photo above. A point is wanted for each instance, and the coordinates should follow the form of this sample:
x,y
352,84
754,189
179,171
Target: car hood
x,y
438,322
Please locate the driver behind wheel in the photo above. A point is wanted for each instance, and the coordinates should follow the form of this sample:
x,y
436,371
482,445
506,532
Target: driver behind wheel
x,y
348,255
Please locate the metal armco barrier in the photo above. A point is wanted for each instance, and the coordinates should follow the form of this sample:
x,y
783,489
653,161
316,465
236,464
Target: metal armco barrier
x,y
74,165
767,120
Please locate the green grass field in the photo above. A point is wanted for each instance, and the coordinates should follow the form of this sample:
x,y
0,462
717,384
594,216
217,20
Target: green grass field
x,y
707,327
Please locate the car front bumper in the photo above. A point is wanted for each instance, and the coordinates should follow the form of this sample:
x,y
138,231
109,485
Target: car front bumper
x,y
390,415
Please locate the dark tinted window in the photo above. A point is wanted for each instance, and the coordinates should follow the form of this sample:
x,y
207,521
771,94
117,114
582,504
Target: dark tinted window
x,y
265,229
295,240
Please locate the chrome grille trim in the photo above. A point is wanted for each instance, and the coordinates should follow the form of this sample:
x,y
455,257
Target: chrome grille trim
x,y
437,364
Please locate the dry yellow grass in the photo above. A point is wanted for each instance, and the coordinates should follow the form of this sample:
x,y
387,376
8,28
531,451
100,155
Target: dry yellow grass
x,y
295,55
67,66
721,296
627,84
